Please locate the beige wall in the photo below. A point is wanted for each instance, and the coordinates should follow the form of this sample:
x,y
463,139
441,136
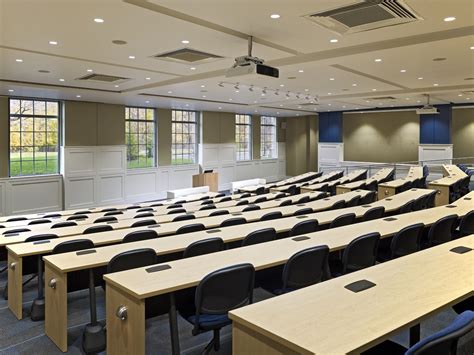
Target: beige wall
x,y
4,139
463,133
301,144
164,136
256,137
110,124
381,136
218,127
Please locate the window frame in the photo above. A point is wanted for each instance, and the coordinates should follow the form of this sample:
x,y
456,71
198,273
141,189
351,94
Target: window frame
x,y
59,135
239,152
183,122
264,135
155,125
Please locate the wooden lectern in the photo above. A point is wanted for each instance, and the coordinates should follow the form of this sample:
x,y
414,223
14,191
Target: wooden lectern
x,y
207,179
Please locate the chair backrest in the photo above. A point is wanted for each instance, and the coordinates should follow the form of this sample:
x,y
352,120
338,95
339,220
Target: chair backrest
x,y
368,198
260,190
245,195
156,205
343,220
308,226
143,223
207,202
233,221
303,199
205,246
73,245
419,203
303,211
219,213
360,253
430,200
259,236
271,215
407,207
64,224
445,341
422,183
286,203
98,229
140,235
242,202
353,201
219,195
224,290
195,227
204,198
16,230
113,213
184,217
77,217
146,214
136,207
17,219
260,199
251,208
225,199
280,195
306,267
407,240
406,186
132,259
52,215
82,212
372,186
466,226
324,188
106,219
177,210
338,204
145,209
207,207
180,202
36,238
176,205
39,221
442,230
373,213
292,190
108,209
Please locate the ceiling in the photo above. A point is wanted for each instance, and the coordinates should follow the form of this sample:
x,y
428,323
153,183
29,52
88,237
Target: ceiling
x,y
315,73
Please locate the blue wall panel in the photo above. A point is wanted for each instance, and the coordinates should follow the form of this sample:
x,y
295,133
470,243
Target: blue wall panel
x,y
436,129
330,127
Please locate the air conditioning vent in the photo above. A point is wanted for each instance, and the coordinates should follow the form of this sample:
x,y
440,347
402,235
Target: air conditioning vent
x,y
381,98
309,104
103,78
188,55
365,15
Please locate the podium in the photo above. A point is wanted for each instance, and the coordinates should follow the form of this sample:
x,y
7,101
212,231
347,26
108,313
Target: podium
x,y
207,179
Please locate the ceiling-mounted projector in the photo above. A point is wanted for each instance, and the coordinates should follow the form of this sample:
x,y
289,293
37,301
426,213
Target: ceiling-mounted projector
x,y
427,109
247,64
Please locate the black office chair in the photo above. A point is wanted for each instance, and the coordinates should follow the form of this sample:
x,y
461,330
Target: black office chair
x,y
443,342
176,205
39,221
218,293
292,190
337,205
368,198
442,230
251,208
260,236
372,186
271,215
207,207
359,254
430,200
464,189
466,226
260,191
183,217
219,195
52,215
406,208
140,235
156,205
280,195
404,187
77,217
404,242
17,219
136,207
16,231
225,199
260,199
233,222
190,228
373,213
242,202
419,203
177,210
64,224
286,203
180,202
353,201
113,213
303,211
82,212
245,195
98,229
145,209
219,213
144,223
207,202
205,246
108,209
343,220
144,215
106,219
303,199
304,227
205,198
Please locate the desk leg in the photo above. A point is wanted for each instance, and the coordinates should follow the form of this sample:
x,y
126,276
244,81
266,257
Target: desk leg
x,y
414,334
174,326
15,284
56,306
125,323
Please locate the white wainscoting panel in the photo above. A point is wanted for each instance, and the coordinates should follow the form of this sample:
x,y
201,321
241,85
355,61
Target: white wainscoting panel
x,y
3,187
443,153
330,154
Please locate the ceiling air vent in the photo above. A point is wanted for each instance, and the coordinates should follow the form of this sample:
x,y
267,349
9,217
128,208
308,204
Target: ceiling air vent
x,y
103,78
365,15
309,104
187,56
381,98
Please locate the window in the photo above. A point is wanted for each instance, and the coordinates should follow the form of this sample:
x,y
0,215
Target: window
x,y
34,137
183,130
268,144
243,137
140,128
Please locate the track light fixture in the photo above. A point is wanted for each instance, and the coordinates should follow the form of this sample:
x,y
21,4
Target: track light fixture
x,y
277,92
251,88
236,86
264,91
298,95
221,84
288,95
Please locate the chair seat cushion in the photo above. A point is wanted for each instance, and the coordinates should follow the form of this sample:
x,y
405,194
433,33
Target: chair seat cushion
x,y
386,348
210,321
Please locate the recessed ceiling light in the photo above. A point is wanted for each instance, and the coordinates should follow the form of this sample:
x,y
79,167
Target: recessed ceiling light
x,y
460,95
332,79
329,104
19,60
230,99
204,96
343,106
99,20
301,71
282,85
187,105
471,47
354,84
53,43
403,71
299,106
237,90
62,80
278,113
367,101
306,90
147,102
378,60
147,78
329,93
203,86
374,89
220,108
407,98
275,16
334,40
468,98
297,114
418,101
78,96
449,19
131,57
192,68
10,90
435,84
420,78
281,105
185,41
89,70
170,92
116,86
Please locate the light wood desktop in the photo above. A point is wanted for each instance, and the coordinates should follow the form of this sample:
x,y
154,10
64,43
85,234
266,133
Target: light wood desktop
x,y
452,174
130,288
389,188
378,176
328,319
